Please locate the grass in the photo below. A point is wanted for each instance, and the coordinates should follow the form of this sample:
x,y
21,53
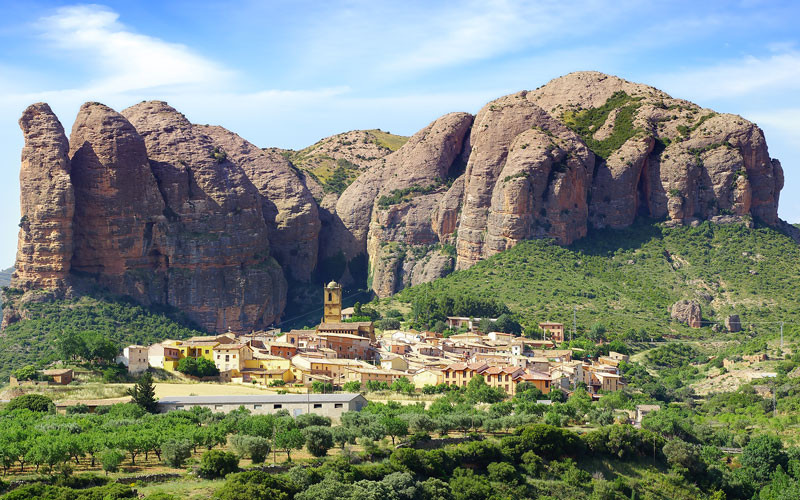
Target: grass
x,y
388,140
628,279
333,163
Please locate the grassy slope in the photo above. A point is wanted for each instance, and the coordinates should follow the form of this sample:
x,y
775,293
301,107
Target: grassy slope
x,y
329,168
34,341
630,278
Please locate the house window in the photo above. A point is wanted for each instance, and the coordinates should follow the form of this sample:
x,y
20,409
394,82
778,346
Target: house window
x,y
227,358
277,406
317,405
337,405
217,407
206,351
179,407
256,407
446,374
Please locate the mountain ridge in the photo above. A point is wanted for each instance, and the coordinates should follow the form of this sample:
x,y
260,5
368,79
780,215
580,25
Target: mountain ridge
x,y
228,232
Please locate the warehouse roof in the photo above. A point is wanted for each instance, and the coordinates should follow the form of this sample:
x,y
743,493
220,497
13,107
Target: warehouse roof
x,y
257,398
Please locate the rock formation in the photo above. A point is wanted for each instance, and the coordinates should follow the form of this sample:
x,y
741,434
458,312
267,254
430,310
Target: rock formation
x,y
47,203
218,266
732,323
289,209
168,212
687,312
118,208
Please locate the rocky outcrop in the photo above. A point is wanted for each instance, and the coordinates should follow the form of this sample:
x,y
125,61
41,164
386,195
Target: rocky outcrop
x,y
403,244
733,324
289,209
118,208
687,312
219,269
47,203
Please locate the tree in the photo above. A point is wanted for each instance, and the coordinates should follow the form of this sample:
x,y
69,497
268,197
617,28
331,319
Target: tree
x,y
176,452
394,427
217,463
289,438
27,372
110,460
480,392
143,393
402,385
343,435
199,367
32,402
318,440
352,386
762,455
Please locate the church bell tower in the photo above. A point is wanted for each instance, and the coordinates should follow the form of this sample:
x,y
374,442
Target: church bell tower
x,y
333,303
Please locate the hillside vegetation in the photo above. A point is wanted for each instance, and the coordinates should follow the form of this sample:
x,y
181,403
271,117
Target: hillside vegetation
x,y
336,161
35,340
628,279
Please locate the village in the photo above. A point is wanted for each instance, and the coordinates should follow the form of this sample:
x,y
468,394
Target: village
x,y
339,351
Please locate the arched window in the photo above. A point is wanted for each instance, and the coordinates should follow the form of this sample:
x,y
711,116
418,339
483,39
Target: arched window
x,y
330,297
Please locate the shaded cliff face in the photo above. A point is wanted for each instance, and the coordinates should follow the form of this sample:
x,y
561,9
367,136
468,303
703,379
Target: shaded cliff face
x,y
289,209
216,245
47,203
118,208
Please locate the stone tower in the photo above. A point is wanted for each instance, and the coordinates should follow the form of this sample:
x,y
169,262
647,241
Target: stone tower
x,y
333,303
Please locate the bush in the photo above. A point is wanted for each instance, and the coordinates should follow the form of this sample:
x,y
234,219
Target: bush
x,y
255,447
216,463
257,485
32,402
176,452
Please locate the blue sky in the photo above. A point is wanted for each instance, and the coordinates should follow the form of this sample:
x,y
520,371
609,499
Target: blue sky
x,y
287,73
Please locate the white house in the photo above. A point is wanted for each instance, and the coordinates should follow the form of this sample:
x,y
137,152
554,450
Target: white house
x,y
136,358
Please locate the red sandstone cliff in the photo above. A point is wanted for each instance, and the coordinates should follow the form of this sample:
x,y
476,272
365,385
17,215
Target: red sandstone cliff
x,y
149,205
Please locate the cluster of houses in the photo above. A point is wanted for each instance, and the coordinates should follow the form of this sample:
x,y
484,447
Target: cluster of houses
x,y
339,351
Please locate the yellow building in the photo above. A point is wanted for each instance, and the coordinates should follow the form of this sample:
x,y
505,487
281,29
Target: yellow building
x,y
333,303
371,374
188,349
426,377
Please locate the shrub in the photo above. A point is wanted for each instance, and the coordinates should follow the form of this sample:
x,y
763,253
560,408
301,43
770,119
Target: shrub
x,y
318,440
257,485
176,452
255,447
32,402
217,463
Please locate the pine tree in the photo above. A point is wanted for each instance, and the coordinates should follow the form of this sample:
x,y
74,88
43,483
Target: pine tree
x,y
144,393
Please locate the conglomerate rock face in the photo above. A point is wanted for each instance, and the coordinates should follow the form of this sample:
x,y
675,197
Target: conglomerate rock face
x,y
118,208
47,203
152,206
289,209
218,266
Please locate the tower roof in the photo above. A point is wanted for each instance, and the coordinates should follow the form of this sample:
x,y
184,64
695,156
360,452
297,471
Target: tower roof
x,y
333,284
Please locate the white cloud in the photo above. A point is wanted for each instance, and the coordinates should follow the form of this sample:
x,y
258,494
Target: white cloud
x,y
736,78
121,60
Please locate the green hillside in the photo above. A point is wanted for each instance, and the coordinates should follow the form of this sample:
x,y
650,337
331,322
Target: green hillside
x,y
34,340
628,279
